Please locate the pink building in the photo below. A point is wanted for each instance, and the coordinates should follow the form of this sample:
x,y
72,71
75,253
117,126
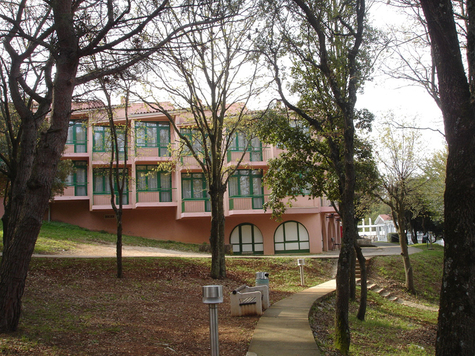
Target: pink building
x,y
174,205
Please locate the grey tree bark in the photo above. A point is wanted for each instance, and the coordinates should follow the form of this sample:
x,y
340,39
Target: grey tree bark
x,y
456,324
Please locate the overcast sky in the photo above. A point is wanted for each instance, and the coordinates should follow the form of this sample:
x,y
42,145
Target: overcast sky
x,y
383,94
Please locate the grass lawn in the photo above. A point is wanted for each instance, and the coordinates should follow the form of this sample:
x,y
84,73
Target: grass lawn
x,y
76,306
56,237
390,328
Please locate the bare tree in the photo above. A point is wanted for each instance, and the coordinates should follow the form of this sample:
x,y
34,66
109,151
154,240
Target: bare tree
x,y
400,184
47,49
118,142
211,75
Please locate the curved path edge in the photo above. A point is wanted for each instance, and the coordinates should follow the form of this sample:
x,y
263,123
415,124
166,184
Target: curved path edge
x,y
284,329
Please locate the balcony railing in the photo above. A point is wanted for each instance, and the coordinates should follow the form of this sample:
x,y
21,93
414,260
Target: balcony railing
x,y
188,161
247,203
75,147
196,206
303,202
144,152
78,192
258,155
158,196
105,199
106,156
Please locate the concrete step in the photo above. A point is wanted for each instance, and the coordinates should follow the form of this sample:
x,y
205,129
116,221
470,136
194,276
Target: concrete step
x,y
382,292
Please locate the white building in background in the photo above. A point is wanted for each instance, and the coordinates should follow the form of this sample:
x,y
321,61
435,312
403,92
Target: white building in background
x,y
383,225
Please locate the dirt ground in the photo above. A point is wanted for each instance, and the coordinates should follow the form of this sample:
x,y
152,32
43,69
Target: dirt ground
x,y
75,307
109,250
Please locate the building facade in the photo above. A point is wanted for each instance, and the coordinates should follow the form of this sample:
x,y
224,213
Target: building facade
x,y
173,204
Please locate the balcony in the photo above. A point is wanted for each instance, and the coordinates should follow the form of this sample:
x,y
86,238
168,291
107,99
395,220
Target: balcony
x,y
189,162
73,193
196,206
73,150
161,197
304,204
256,156
152,154
246,203
103,201
105,157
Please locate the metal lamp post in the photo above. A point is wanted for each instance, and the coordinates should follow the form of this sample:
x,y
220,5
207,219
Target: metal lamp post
x,y
213,295
301,263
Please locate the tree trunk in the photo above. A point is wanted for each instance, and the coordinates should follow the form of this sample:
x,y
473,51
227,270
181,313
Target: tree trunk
x,y
120,273
414,234
406,260
36,172
342,327
15,264
216,239
353,275
350,232
364,283
456,325
28,212
397,213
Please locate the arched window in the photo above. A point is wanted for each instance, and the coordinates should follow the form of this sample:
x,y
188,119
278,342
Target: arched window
x,y
291,237
246,239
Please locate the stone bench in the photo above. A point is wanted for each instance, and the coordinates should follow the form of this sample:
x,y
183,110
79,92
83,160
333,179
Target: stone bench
x,y
249,300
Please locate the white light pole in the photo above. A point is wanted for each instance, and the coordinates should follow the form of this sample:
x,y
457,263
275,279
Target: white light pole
x,y
213,295
301,263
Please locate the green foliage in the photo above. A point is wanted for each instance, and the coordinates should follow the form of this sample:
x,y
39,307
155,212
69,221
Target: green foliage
x,y
390,328
399,153
330,58
57,236
65,168
305,168
377,209
410,183
427,265
433,190
301,169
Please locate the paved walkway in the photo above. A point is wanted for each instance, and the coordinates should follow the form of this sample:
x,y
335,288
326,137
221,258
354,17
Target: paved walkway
x,y
109,250
284,329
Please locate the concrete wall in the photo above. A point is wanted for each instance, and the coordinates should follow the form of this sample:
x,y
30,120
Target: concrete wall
x,y
161,223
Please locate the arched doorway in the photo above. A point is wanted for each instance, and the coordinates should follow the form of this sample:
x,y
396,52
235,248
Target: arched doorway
x,y
291,237
246,239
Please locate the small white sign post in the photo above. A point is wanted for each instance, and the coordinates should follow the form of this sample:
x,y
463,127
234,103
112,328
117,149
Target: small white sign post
x,y
301,263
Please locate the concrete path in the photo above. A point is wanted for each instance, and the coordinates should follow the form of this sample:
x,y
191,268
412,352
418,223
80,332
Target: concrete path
x,y
284,330
109,250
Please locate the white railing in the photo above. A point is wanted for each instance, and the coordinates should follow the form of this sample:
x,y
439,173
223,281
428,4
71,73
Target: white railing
x,y
374,232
